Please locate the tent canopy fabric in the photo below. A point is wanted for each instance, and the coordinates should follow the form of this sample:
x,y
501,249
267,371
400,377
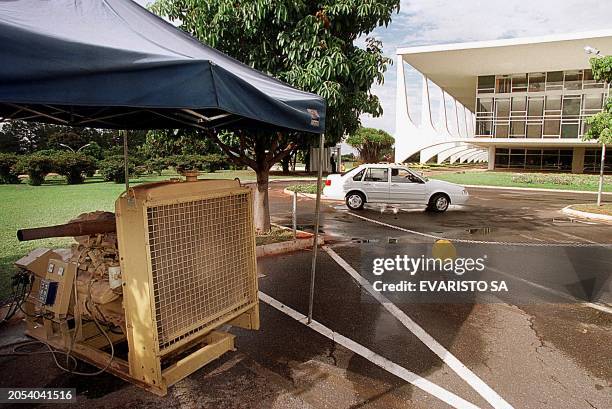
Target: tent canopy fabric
x,y
113,64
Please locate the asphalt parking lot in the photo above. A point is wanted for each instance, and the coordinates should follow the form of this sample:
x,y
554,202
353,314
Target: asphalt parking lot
x,y
546,345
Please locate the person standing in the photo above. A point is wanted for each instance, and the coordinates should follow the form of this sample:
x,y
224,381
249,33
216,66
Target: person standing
x,y
332,161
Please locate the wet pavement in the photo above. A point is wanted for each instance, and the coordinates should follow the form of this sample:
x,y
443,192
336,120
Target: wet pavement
x,y
547,348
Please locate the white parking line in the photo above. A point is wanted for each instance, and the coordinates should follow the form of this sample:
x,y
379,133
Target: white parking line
x,y
449,359
389,366
568,297
596,306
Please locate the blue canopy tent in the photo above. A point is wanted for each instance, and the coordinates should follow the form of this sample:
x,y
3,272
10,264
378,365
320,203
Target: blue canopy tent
x,y
113,64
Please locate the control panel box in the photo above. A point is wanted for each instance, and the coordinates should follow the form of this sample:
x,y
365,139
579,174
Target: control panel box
x,y
56,288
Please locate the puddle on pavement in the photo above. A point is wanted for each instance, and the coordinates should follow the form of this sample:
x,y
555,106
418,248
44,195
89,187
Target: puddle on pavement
x,y
360,240
480,231
308,228
568,220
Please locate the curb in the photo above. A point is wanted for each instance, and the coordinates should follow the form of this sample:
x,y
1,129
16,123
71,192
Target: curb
x,y
533,189
271,181
586,215
309,195
304,240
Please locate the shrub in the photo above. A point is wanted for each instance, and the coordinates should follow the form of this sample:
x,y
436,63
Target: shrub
x,y
73,165
36,166
94,150
205,163
48,152
214,162
156,165
112,168
181,163
562,179
8,172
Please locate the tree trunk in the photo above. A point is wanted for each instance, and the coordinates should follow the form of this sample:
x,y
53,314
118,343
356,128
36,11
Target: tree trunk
x,y
307,160
294,160
285,163
260,202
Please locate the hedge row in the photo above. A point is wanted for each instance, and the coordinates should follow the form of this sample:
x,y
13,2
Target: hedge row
x,y
74,166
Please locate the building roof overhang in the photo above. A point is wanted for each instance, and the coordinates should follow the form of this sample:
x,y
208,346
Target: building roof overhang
x,y
455,67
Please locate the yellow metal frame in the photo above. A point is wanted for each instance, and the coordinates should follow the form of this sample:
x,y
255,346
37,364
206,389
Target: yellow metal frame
x,y
144,358
143,366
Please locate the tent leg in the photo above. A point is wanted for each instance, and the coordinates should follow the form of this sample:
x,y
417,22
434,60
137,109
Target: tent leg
x,y
126,171
315,245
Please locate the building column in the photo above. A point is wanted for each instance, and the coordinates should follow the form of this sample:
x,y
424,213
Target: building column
x,y
426,119
491,164
578,160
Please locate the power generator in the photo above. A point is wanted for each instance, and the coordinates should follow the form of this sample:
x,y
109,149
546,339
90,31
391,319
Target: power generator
x,y
173,264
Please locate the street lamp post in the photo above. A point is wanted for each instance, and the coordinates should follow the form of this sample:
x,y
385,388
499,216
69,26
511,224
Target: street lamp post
x,y
70,147
595,52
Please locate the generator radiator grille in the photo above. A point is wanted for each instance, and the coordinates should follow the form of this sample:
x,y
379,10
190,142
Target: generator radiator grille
x,y
202,256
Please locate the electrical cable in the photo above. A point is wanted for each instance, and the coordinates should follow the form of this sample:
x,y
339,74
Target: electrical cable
x,y
71,361
21,288
17,345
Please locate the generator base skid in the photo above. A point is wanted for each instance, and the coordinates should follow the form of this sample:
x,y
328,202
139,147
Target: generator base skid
x,y
209,348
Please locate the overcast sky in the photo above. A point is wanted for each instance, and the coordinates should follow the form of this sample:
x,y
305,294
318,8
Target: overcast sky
x,y
422,22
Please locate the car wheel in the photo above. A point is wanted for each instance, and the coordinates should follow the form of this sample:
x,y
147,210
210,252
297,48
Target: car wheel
x,y
438,203
355,200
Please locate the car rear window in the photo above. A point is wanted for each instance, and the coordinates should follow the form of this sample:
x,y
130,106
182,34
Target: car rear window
x,y
358,176
348,171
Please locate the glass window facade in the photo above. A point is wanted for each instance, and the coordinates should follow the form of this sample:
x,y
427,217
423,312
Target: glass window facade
x,y
551,104
540,159
592,161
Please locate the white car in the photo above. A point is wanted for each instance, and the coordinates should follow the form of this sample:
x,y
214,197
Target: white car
x,y
392,183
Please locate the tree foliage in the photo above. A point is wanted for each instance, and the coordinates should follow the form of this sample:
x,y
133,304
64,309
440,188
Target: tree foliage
x,y
73,165
170,142
112,168
308,44
600,125
29,137
8,172
36,166
372,144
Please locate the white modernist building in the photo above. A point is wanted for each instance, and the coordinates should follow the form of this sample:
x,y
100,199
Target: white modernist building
x,y
517,103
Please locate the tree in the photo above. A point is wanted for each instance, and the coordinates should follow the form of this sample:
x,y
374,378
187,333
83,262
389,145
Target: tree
x,y
28,137
372,144
600,125
73,165
23,137
308,44
170,142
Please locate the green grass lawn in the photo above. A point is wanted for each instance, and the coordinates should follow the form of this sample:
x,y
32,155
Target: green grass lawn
x,y
536,180
605,208
304,188
24,206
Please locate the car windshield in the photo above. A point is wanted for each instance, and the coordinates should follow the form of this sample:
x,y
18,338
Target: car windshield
x,y
422,176
419,174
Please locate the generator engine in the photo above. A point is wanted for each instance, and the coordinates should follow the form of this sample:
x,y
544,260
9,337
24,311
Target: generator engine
x,y
162,274
98,275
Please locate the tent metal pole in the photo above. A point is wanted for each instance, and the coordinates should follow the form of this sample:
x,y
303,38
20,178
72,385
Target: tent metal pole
x,y
126,171
315,245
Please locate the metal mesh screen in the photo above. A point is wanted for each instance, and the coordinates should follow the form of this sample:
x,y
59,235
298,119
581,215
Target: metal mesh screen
x,y
202,263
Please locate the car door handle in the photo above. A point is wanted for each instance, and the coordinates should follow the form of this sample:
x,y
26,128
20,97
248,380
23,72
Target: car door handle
x,y
394,184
